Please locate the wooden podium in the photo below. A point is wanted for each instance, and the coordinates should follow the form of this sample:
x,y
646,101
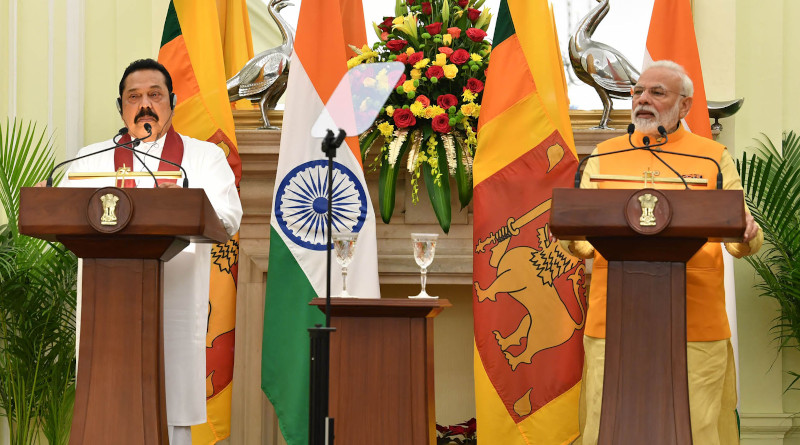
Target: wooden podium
x,y
124,236
647,236
381,370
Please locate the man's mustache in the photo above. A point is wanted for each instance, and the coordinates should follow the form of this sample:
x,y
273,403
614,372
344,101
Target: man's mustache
x,y
144,112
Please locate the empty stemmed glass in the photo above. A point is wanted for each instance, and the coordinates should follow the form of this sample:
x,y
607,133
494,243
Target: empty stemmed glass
x,y
424,249
344,244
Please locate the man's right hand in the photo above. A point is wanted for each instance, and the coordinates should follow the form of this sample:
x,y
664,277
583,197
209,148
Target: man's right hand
x,y
41,184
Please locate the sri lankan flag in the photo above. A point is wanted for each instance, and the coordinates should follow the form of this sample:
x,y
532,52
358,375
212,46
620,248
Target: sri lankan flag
x,y
530,301
192,51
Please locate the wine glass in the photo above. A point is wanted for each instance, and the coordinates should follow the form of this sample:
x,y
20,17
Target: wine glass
x,y
344,244
424,249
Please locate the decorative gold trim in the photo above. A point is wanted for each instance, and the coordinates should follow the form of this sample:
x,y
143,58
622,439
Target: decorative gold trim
x,y
92,175
597,178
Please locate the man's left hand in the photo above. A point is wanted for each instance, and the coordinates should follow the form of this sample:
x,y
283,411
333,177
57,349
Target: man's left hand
x,y
751,229
167,185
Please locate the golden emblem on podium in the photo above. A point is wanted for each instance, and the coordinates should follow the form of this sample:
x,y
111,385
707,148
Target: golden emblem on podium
x,y
648,203
109,217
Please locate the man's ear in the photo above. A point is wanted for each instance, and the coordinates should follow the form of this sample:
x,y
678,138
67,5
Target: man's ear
x,y
686,105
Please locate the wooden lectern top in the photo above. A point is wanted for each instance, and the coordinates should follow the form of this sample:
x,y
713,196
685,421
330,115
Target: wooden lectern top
x,y
132,223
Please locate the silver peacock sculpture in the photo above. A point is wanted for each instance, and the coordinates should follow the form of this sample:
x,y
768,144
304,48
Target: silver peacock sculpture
x,y
599,65
263,78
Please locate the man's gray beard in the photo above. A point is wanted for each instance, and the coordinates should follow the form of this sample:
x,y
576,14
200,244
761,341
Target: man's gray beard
x,y
669,120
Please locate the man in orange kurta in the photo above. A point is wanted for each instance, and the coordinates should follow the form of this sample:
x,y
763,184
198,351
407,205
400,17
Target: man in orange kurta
x,y
662,97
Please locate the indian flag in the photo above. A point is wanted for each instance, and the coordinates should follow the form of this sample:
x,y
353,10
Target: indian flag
x,y
192,51
297,251
677,42
530,299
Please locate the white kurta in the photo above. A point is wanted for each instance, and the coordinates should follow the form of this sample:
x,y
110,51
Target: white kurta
x,y
186,276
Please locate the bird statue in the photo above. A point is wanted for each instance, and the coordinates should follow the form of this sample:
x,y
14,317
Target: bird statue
x,y
599,65
263,78
720,109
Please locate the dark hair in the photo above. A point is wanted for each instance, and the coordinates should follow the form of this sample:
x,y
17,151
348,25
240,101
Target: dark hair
x,y
145,64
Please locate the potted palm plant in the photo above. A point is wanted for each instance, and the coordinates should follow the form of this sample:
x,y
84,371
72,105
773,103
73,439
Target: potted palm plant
x,y
37,303
771,180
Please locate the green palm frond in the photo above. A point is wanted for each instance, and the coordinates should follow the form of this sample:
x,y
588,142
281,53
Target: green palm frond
x,y
771,181
37,303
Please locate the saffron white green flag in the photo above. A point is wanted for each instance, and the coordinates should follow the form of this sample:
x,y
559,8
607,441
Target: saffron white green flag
x,y
297,254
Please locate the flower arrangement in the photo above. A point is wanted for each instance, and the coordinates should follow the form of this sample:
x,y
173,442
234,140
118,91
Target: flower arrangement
x,y
461,434
431,117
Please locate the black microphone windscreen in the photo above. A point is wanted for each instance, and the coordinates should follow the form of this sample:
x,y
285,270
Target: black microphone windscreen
x,y
148,127
122,131
631,128
646,140
662,131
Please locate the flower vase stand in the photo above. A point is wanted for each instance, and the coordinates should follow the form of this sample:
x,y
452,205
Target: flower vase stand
x,y
645,388
381,370
124,237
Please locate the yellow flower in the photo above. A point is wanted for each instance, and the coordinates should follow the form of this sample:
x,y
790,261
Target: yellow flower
x,y
422,63
398,20
450,71
386,128
441,59
468,95
408,86
433,111
417,109
447,39
475,57
470,109
390,111
416,74
354,61
366,49
410,50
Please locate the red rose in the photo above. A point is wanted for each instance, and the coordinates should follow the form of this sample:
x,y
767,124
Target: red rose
x,y
476,34
387,24
440,123
411,2
446,50
403,118
416,57
446,101
463,3
402,58
455,31
473,14
401,81
434,71
434,28
396,45
474,85
426,8
423,99
460,56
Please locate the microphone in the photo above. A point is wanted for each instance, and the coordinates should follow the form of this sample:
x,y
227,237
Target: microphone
x,y
631,129
119,134
663,132
149,130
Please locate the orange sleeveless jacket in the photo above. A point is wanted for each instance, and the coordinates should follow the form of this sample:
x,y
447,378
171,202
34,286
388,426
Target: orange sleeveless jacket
x,y
706,319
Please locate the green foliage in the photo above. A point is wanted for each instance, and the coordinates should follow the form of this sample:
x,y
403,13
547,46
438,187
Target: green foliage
x,y
771,180
37,303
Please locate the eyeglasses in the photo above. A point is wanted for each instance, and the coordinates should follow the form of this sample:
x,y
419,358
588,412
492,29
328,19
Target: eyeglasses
x,y
656,93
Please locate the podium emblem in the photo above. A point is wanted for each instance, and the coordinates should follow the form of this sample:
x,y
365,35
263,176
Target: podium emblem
x,y
109,210
301,203
109,217
648,211
648,203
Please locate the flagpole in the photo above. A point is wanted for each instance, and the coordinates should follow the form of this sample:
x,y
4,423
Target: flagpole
x,y
320,431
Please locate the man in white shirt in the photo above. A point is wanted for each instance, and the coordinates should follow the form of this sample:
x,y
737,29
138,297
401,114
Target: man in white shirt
x,y
145,97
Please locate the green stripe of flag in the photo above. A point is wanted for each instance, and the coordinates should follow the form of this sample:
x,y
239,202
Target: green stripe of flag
x,y
172,28
504,25
286,348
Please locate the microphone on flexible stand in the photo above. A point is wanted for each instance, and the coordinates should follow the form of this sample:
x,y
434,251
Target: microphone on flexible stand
x,y
121,132
148,128
663,132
